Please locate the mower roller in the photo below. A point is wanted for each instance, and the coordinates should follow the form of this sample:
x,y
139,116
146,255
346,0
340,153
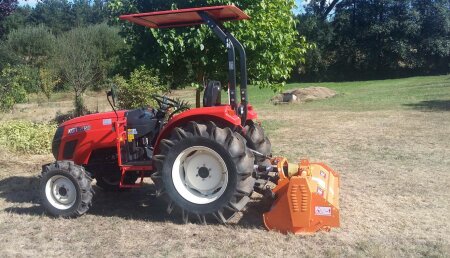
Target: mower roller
x,y
205,162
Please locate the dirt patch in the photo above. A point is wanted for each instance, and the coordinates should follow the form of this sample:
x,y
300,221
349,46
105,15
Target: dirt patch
x,y
303,95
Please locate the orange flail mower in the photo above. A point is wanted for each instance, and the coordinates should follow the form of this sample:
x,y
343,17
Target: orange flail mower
x,y
306,198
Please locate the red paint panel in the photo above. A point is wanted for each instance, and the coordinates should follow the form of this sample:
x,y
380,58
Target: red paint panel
x,y
251,113
99,135
97,116
185,17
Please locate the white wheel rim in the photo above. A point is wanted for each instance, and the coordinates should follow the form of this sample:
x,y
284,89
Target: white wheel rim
x,y
200,175
60,192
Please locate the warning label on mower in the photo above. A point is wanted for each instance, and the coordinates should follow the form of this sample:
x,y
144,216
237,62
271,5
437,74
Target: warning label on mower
x,y
322,211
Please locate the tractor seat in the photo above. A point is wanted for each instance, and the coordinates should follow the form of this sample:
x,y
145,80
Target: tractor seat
x,y
211,96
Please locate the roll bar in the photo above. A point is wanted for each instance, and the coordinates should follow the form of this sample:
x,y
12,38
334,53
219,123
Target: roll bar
x,y
213,17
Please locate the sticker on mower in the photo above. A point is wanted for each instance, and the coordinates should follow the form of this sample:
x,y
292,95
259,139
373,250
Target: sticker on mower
x,y
78,129
322,211
319,191
323,174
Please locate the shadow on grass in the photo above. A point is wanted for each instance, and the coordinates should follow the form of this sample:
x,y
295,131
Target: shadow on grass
x,y
431,105
135,204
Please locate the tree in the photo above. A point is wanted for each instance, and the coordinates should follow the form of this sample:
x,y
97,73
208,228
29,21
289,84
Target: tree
x,y
7,57
78,62
63,15
82,56
17,19
434,38
367,39
322,8
6,8
55,14
33,44
272,43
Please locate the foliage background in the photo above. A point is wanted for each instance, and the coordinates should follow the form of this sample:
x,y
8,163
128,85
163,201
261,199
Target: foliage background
x,y
272,44
363,39
331,40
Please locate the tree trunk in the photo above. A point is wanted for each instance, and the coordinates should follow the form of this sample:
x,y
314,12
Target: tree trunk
x,y
79,104
198,93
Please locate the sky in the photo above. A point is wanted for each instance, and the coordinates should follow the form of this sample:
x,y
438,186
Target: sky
x,y
28,2
299,4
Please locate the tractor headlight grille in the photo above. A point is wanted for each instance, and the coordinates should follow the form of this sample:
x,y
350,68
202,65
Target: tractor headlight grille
x,y
57,141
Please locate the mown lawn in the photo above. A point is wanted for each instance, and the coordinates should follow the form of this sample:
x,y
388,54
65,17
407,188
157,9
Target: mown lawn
x,y
432,92
389,140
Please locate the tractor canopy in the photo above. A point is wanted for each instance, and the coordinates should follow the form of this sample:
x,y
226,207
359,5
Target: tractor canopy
x,y
185,17
213,17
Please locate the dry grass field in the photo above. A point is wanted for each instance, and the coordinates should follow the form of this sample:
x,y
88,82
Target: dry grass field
x,y
391,149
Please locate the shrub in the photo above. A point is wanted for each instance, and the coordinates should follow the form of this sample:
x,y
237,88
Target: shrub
x,y
12,88
27,137
137,91
28,77
33,44
48,81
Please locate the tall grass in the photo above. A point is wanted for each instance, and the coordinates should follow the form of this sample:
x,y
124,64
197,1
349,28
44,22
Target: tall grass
x,y
26,137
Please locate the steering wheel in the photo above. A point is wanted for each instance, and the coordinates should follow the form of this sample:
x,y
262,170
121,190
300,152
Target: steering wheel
x,y
164,102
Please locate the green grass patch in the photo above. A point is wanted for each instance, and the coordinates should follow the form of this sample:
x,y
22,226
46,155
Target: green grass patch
x,y
424,93
27,137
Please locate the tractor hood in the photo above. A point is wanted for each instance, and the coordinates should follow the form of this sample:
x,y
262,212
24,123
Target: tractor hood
x,y
99,116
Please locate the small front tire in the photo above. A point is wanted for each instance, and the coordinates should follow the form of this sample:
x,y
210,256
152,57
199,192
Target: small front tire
x,y
65,189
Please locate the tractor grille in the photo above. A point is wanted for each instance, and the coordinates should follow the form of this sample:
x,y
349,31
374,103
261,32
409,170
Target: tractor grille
x,y
57,141
69,149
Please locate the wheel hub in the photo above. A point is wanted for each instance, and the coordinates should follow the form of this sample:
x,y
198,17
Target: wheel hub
x,y
60,192
203,172
200,175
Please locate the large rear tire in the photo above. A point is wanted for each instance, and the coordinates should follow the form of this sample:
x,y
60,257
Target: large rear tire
x,y
65,189
205,171
258,141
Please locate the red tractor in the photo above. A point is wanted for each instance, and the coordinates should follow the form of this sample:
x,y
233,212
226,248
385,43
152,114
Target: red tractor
x,y
206,161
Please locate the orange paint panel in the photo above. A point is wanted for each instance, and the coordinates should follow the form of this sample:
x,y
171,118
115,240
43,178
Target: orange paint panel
x,y
305,203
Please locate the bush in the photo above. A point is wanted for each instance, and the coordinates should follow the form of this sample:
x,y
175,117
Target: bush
x,y
33,44
27,137
7,57
28,77
48,81
137,91
12,90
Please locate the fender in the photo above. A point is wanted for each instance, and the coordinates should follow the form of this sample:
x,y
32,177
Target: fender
x,y
223,115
